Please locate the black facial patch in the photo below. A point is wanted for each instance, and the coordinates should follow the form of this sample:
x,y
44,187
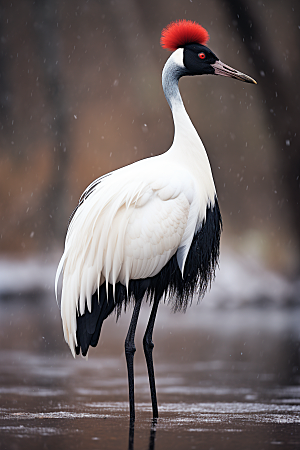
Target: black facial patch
x,y
198,59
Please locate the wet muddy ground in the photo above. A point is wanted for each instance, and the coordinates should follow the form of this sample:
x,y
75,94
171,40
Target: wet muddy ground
x,y
226,379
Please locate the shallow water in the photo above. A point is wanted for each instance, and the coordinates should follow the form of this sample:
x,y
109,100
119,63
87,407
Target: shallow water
x,y
225,380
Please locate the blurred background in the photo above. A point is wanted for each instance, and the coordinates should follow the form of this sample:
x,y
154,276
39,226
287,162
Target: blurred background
x,y
80,95
80,92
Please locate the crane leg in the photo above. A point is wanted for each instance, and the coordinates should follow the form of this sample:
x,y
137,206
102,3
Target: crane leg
x,y
131,435
148,349
129,353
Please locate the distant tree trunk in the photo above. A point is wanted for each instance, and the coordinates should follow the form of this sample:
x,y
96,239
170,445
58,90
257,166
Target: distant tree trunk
x,y
4,83
49,43
281,94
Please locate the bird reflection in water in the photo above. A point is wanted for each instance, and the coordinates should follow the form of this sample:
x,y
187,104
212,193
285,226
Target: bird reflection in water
x,y
151,445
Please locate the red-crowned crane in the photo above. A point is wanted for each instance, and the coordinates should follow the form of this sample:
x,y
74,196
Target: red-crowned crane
x,y
148,230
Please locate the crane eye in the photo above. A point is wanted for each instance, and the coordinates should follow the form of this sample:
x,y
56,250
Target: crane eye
x,y
201,55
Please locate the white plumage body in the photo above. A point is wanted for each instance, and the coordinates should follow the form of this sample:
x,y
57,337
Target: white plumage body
x,y
132,221
150,230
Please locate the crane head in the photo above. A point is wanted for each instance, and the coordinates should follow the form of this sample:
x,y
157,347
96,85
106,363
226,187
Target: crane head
x,y
198,59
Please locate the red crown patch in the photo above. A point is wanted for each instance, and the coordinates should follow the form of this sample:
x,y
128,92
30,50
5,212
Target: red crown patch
x,y
178,34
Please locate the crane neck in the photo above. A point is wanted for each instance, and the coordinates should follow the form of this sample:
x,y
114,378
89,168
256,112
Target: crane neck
x,y
187,147
184,130
172,72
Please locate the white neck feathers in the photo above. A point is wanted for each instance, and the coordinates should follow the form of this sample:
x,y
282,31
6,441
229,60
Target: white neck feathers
x,y
187,147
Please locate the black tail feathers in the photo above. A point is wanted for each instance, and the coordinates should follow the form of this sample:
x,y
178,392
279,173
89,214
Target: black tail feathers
x,y
90,323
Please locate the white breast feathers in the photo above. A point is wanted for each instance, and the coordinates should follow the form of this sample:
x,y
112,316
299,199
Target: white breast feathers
x,y
128,227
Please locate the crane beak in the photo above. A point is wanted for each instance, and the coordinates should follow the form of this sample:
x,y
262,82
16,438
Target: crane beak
x,y
227,71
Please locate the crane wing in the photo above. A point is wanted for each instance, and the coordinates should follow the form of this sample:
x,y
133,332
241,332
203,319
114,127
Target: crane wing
x,y
153,235
128,227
